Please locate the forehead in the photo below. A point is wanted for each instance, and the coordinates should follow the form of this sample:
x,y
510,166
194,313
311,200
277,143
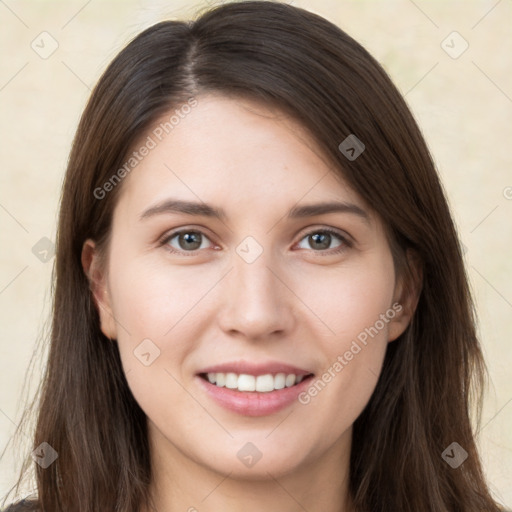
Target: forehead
x,y
233,152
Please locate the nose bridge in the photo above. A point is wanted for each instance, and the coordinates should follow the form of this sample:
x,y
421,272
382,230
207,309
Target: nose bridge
x,y
255,302
255,278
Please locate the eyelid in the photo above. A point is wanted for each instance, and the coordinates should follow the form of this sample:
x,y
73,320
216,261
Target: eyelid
x,y
328,229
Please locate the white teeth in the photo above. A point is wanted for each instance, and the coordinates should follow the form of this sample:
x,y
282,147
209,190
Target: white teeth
x,y
290,380
279,381
261,383
246,383
220,379
231,380
264,383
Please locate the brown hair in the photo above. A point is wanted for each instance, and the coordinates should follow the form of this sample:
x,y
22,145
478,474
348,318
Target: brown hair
x,y
433,374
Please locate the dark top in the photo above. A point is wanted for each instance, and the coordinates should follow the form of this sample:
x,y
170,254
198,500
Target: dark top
x,y
23,506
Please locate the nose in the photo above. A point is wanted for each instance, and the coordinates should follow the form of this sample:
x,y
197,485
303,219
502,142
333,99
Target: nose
x,y
256,304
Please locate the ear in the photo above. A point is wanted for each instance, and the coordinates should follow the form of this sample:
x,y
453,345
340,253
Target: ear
x,y
407,294
96,274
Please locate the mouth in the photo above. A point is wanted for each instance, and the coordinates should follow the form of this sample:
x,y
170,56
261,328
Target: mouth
x,y
266,383
254,388
254,395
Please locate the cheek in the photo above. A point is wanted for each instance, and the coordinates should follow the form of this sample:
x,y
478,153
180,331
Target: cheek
x,y
161,308
156,304
150,298
354,305
349,299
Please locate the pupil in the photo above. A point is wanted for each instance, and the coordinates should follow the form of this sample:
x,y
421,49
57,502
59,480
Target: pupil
x,y
324,239
189,239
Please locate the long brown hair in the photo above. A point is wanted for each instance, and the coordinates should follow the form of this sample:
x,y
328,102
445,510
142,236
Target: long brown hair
x,y
433,375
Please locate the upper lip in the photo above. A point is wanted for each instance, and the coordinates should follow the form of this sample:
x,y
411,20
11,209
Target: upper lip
x,y
262,368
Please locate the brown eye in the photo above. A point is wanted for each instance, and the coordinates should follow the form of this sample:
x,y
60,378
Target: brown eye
x,y
187,241
321,239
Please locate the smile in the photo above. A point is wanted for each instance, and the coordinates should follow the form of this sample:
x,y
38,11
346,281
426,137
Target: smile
x,y
260,384
251,395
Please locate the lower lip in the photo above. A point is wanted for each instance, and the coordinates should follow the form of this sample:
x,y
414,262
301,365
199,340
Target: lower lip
x,y
254,403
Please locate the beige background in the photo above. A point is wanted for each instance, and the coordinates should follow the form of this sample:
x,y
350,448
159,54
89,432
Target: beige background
x,y
463,104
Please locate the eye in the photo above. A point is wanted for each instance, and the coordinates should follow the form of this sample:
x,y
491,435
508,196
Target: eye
x,y
321,239
190,241
187,241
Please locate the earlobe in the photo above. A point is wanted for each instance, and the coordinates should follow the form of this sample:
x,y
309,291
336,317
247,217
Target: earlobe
x,y
407,295
96,276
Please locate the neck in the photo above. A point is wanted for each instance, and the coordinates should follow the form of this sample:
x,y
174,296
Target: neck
x,y
181,484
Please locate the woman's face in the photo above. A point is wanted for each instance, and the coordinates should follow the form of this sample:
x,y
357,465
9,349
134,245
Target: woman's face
x,y
258,290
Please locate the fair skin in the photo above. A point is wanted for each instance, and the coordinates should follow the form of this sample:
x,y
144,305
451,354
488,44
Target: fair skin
x,y
297,302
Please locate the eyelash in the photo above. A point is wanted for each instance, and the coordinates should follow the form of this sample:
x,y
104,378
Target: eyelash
x,y
346,243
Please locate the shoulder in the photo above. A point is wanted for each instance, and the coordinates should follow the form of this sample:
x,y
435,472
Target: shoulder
x,y
22,506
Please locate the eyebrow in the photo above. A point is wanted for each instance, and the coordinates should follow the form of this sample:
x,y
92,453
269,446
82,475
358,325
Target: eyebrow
x,y
310,210
206,210
187,207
